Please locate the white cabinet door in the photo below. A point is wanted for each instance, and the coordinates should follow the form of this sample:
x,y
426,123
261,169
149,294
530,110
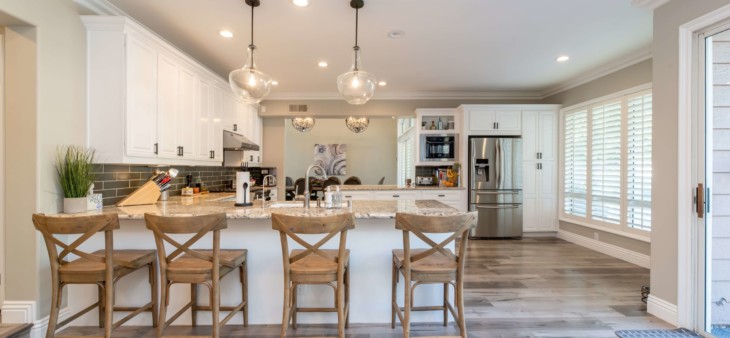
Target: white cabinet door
x,y
530,172
204,122
547,204
482,120
548,138
530,211
167,99
216,131
396,195
260,137
141,114
508,122
530,135
229,111
188,112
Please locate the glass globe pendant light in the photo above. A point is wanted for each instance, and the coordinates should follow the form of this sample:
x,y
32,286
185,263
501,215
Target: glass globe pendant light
x,y
249,83
357,86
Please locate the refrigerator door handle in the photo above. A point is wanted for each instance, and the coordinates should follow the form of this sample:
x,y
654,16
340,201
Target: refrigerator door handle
x,y
498,163
511,206
497,192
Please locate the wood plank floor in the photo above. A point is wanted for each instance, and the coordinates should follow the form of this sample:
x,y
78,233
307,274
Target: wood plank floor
x,y
534,287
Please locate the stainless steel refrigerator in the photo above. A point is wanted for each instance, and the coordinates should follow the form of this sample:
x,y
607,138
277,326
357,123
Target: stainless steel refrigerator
x,y
495,187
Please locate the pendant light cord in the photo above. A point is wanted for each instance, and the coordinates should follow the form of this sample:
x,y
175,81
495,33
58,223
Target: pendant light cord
x,y
357,48
252,47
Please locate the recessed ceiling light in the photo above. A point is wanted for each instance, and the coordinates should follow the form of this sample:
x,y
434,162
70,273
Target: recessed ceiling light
x,y
392,117
396,34
274,83
562,58
382,83
226,33
300,3
322,64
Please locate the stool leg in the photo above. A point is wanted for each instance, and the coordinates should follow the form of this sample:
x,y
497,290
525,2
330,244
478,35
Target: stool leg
x,y
393,294
162,322
287,302
244,291
460,301
340,300
446,301
216,306
101,305
55,303
108,305
153,293
194,301
407,304
295,288
347,297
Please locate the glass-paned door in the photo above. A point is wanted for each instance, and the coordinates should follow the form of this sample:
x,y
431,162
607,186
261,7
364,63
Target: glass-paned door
x,y
713,190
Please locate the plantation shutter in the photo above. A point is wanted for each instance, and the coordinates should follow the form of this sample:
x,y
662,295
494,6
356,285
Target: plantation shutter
x,y
575,176
606,162
638,178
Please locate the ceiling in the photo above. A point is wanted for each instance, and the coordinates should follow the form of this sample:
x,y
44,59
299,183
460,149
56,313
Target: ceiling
x,y
474,48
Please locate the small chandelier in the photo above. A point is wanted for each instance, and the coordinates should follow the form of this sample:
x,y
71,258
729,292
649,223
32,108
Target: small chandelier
x,y
357,124
249,83
357,86
303,124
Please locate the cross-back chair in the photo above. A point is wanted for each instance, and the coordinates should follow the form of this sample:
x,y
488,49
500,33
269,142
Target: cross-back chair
x,y
433,265
315,265
102,268
193,266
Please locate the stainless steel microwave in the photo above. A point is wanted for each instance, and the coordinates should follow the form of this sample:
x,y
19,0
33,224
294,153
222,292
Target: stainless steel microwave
x,y
439,147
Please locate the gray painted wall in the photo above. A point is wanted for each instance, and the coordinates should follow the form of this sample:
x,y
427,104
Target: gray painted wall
x,y
49,90
370,154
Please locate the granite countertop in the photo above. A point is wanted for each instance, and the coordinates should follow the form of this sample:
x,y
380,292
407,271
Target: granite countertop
x,y
393,187
223,203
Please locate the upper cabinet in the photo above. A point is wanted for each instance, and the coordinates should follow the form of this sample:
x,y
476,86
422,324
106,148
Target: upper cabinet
x,y
491,120
148,103
539,135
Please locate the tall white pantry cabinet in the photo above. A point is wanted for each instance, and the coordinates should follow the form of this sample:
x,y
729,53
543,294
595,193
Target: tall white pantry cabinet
x,y
149,103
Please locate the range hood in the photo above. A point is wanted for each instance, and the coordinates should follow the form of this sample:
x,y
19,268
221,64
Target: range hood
x,y
233,141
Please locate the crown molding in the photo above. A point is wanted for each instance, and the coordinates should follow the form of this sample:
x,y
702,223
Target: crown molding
x,y
611,67
411,96
648,4
100,7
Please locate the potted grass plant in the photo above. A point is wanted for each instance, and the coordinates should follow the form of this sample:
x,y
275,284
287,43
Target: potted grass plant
x,y
74,165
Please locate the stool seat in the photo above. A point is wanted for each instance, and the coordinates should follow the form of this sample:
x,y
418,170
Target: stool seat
x,y
435,267
318,265
93,271
188,264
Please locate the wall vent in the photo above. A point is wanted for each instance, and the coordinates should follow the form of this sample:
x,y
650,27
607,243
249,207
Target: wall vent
x,y
297,108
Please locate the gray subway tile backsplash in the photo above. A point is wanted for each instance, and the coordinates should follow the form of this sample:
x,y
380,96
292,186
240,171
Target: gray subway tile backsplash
x,y
115,182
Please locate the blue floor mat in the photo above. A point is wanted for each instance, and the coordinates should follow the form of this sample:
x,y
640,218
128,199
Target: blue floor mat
x,y
656,333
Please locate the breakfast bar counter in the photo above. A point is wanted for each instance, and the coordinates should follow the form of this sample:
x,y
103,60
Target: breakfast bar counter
x,y
370,244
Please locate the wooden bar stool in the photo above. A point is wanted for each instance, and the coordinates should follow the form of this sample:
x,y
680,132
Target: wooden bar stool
x,y
103,268
192,266
434,265
314,265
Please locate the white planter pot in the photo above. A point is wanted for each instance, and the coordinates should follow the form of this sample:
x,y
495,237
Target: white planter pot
x,y
74,205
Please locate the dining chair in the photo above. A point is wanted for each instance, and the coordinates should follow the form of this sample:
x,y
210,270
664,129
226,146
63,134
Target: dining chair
x,y
352,180
193,266
102,268
432,265
314,265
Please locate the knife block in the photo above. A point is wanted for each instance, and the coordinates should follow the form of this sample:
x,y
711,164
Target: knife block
x,y
148,193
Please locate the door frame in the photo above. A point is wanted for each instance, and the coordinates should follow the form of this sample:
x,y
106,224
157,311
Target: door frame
x,y
2,166
690,290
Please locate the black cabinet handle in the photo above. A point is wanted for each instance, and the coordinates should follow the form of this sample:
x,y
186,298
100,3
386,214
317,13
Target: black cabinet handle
x,y
155,148
251,158
212,154
348,196
494,125
182,151
396,195
235,127
258,158
442,195
497,125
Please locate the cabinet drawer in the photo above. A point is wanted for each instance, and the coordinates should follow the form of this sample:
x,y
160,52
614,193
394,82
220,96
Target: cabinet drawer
x,y
396,195
356,195
440,195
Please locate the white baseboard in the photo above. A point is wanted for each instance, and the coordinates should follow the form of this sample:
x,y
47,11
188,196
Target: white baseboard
x,y
23,312
608,249
662,309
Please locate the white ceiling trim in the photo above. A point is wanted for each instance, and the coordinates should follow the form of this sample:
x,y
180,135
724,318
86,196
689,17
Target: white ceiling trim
x,y
101,7
642,55
648,4
413,96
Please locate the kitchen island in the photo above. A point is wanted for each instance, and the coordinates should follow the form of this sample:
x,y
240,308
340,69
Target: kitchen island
x,y
370,244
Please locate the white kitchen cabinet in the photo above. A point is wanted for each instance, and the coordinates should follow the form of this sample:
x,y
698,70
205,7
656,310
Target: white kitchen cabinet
x,y
356,195
147,102
448,197
539,135
539,196
397,195
485,120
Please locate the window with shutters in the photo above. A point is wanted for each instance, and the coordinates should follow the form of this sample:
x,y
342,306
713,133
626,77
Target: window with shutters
x,y
606,169
406,151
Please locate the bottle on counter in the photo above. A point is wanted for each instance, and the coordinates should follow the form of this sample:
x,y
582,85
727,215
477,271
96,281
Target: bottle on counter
x,y
433,125
440,125
328,198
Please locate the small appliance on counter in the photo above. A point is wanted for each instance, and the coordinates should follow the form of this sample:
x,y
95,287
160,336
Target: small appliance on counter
x,y
425,180
243,189
150,192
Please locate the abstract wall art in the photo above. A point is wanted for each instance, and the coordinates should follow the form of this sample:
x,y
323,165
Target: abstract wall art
x,y
331,157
